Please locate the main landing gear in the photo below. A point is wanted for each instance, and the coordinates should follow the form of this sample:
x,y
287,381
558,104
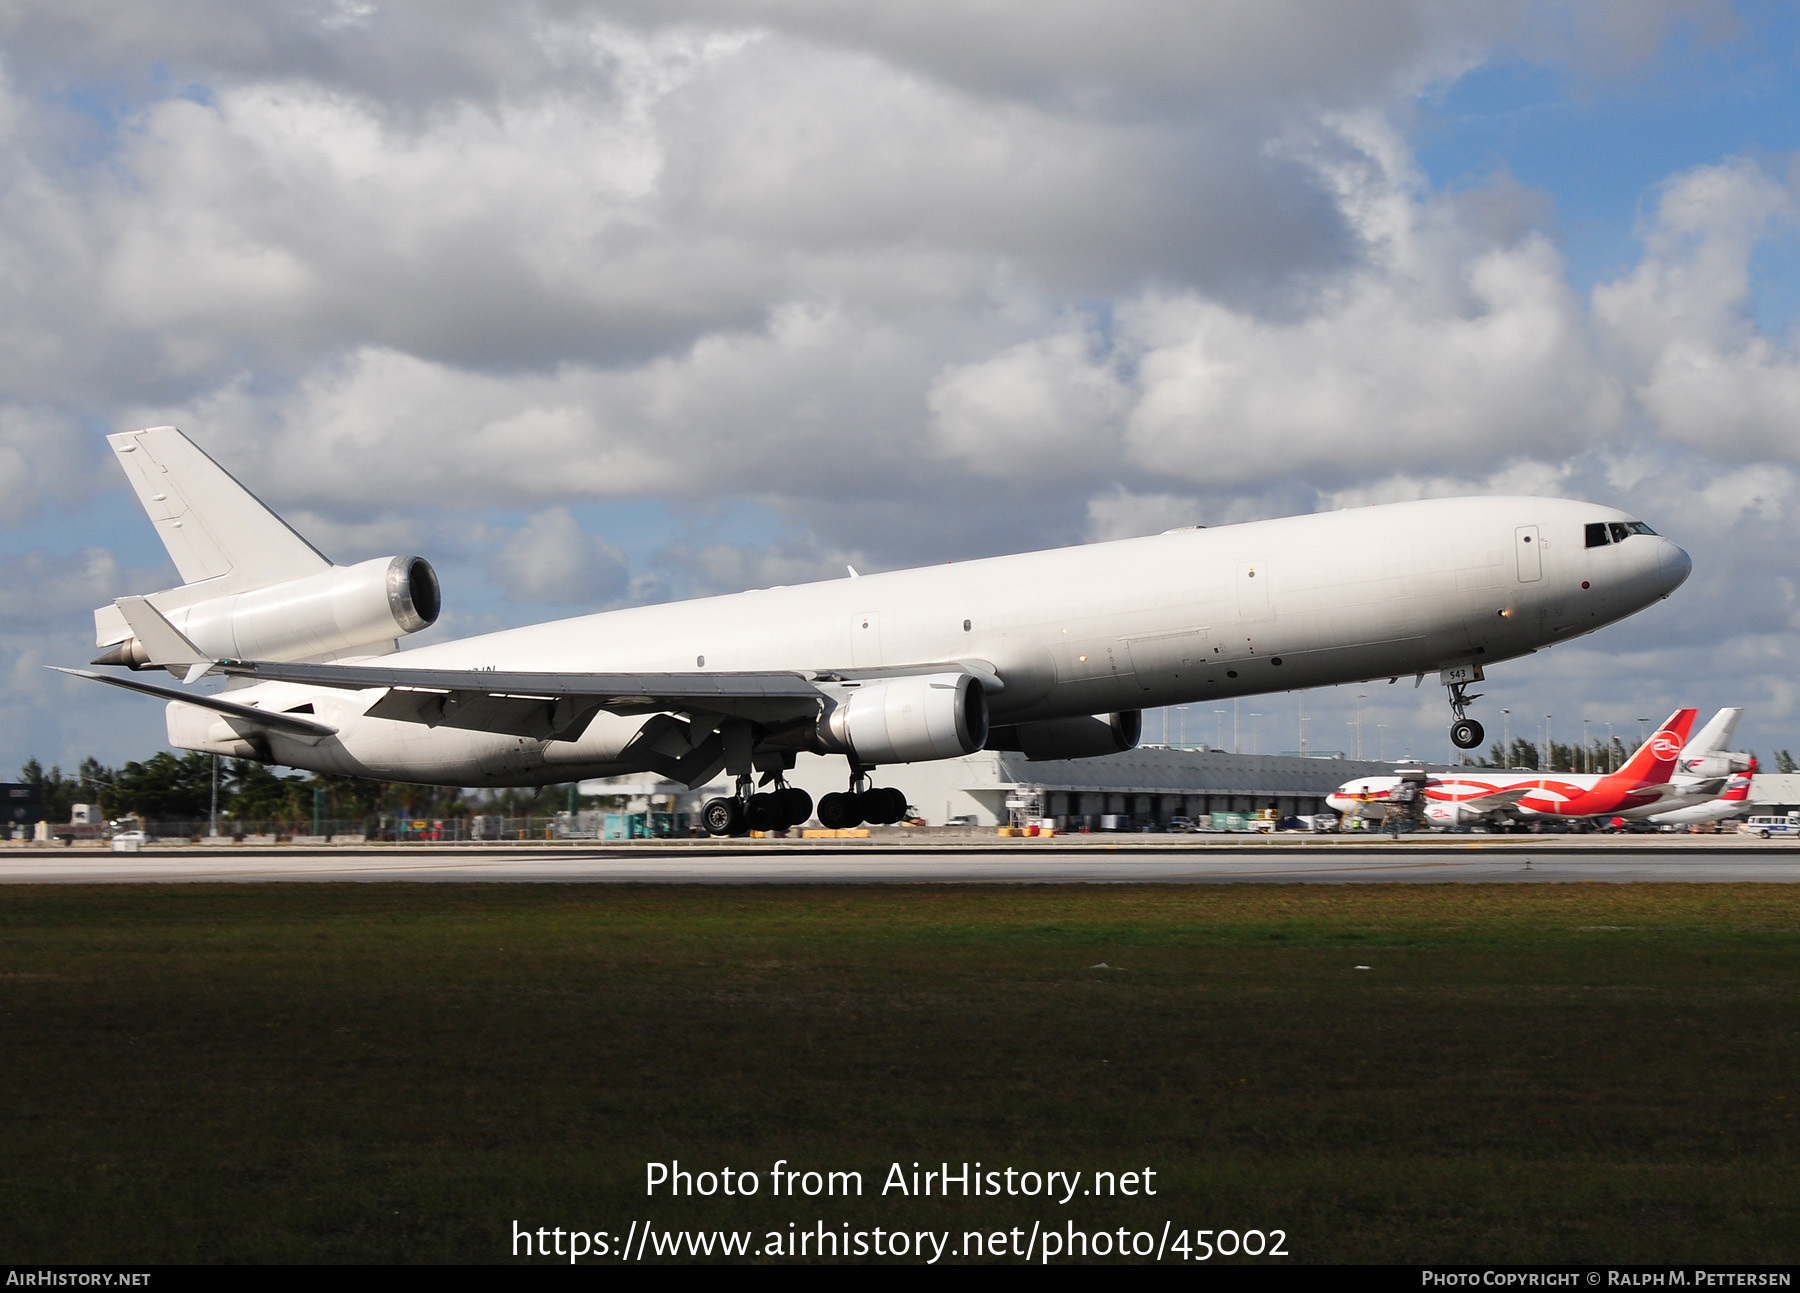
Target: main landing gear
x,y
1465,732
862,803
775,810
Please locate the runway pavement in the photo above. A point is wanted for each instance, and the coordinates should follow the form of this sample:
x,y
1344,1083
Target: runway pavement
x,y
1335,860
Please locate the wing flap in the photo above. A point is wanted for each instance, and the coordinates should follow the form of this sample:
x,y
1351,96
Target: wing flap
x,y
542,718
477,698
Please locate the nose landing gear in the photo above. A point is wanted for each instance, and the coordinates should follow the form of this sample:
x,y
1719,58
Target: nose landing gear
x,y
1465,732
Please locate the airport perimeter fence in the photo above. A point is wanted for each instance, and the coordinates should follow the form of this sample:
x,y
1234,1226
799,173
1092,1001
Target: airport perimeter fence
x,y
388,828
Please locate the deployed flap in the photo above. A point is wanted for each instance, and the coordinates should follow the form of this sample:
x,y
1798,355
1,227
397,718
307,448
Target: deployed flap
x,y
212,526
289,724
543,718
430,695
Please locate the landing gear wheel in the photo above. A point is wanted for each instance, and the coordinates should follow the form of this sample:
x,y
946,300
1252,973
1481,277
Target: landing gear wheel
x,y
722,817
840,811
796,804
1466,733
882,807
764,813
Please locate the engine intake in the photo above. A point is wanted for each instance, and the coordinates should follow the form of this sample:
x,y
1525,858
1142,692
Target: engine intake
x,y
907,720
336,610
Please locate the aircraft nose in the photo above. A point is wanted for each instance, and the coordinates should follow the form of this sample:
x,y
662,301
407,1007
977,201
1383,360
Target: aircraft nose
x,y
1674,564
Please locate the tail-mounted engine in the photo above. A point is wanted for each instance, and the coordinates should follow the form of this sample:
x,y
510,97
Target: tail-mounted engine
x,y
1709,766
905,720
336,610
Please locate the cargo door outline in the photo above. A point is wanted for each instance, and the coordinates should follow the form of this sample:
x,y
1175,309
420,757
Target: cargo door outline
x,y
1529,549
1252,591
865,640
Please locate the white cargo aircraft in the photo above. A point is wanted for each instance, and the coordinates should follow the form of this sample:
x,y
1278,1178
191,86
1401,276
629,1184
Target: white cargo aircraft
x,y
1051,653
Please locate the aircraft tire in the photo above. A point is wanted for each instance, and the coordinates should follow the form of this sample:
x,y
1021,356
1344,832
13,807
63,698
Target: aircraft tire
x,y
796,804
765,813
838,811
722,817
883,806
1466,733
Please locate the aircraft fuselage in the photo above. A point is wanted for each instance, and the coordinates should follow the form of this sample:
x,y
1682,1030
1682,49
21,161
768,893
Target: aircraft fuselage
x,y
1188,616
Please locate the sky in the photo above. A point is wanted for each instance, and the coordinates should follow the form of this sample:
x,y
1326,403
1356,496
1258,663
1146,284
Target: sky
x,y
601,304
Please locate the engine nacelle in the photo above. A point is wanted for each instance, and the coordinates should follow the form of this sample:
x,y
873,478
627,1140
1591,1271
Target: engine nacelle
x,y
1714,765
335,610
907,720
1087,737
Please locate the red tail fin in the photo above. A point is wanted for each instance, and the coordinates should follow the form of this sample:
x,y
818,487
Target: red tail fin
x,y
1655,758
1737,790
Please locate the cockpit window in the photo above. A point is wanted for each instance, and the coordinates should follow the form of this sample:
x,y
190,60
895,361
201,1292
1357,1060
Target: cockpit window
x,y
1638,527
1596,535
1619,531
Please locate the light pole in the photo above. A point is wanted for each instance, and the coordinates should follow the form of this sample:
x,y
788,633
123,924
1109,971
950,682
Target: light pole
x,y
1360,696
1303,727
1609,749
1587,762
1506,738
1219,735
1255,733
1643,731
1182,718
1237,728
1549,747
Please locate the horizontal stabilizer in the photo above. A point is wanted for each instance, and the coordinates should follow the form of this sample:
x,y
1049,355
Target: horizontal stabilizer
x,y
290,724
161,640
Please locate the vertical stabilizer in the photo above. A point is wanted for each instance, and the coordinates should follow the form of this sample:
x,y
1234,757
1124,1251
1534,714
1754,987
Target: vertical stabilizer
x,y
1715,736
214,528
1655,759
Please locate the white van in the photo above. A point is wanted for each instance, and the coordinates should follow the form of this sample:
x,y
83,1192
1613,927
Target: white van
x,y
1763,827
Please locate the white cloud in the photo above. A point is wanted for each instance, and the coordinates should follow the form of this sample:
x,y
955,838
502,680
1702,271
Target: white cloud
x,y
923,280
552,560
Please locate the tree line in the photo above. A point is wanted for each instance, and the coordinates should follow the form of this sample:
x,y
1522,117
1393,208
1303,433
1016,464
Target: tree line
x,y
1599,756
168,787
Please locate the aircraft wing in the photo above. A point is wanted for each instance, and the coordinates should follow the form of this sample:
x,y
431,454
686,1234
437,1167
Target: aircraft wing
x,y
1497,801
268,719
554,706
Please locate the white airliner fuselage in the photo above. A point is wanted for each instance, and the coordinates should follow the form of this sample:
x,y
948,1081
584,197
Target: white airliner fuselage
x,y
1189,616
1053,637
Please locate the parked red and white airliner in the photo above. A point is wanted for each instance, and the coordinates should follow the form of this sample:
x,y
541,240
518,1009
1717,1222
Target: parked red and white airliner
x,y
1471,795
1735,802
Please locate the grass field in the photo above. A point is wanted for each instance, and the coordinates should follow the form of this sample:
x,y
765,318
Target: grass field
x,y
398,1072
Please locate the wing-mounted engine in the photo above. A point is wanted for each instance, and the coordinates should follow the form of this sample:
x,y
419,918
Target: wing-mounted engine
x,y
339,609
908,719
1088,737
